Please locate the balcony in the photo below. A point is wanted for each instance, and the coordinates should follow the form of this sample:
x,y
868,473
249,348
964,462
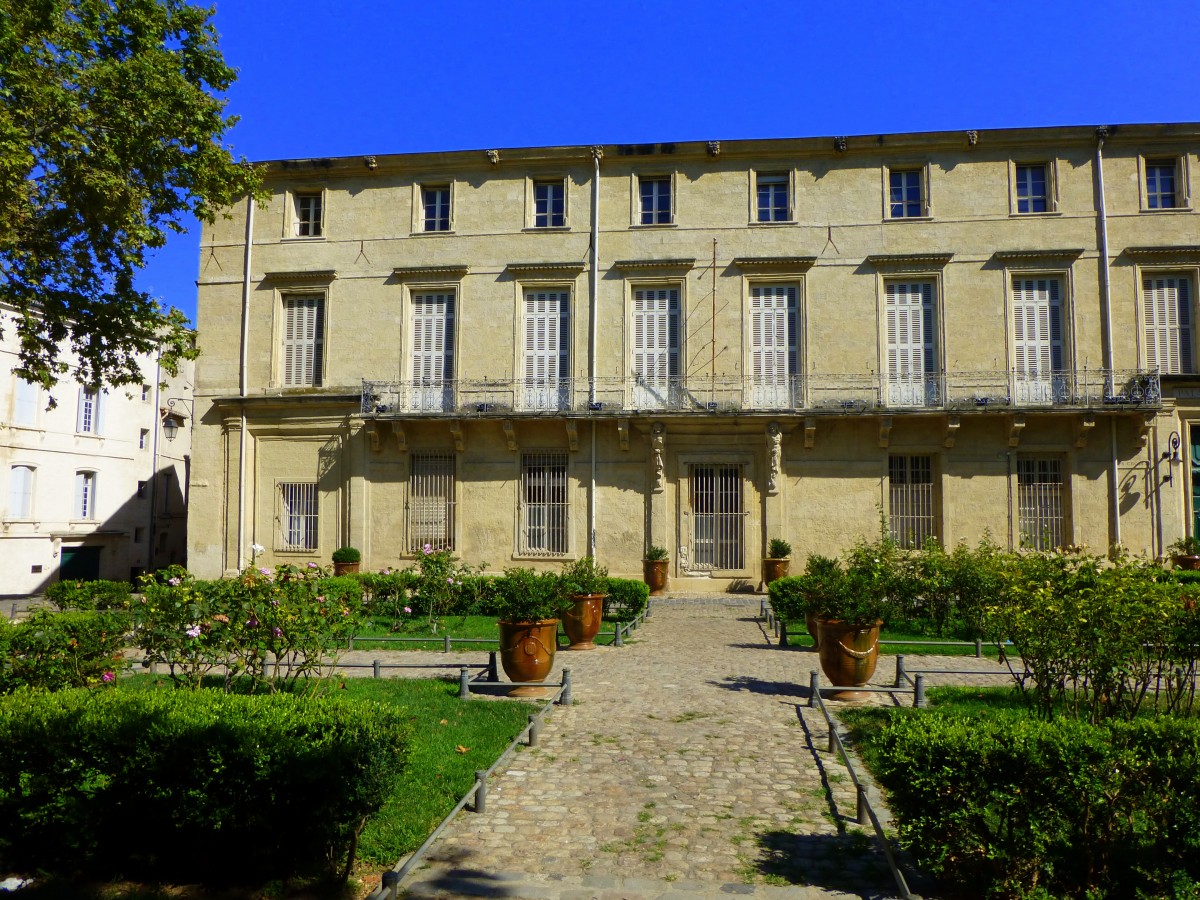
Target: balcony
x,y
1090,389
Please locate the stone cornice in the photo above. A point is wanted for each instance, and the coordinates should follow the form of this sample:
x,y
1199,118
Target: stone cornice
x,y
427,273
311,276
908,262
636,265
1181,254
774,264
545,269
1014,258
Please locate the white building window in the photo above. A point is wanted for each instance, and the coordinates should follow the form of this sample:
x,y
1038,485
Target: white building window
x,y
773,344
307,216
297,515
26,400
143,438
20,492
433,350
1041,502
550,204
431,502
87,420
303,340
1167,323
85,495
543,507
546,365
910,325
911,516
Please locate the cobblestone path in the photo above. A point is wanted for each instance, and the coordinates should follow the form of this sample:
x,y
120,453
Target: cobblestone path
x,y
689,766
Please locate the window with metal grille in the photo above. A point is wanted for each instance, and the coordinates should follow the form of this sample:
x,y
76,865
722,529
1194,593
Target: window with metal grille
x,y
773,344
1032,194
774,204
907,197
1160,184
718,517
308,215
542,529
1040,502
303,340
1167,320
431,502
435,202
911,515
297,515
656,200
549,204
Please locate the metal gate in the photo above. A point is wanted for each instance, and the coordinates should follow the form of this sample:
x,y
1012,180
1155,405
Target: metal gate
x,y
718,517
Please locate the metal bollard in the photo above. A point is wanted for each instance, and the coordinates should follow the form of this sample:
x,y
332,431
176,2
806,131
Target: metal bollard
x,y
13,615
814,685
565,698
375,668
464,684
863,817
350,643
389,882
646,611
832,748
480,791
978,648
493,673
919,692
899,671
783,640
535,727
446,647
617,642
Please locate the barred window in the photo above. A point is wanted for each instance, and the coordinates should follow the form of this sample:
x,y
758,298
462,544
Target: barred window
x,y
542,528
297,515
431,502
1040,502
911,518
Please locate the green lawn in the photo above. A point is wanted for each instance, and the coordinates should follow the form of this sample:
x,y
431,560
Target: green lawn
x,y
456,626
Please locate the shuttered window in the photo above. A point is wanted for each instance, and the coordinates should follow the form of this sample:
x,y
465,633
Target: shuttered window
x,y
25,402
773,350
655,346
297,515
911,344
1041,502
303,340
433,350
1167,315
543,509
20,492
911,516
547,344
1037,339
431,502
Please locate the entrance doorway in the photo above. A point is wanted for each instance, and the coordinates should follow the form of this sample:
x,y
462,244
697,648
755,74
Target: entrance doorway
x,y
79,564
718,535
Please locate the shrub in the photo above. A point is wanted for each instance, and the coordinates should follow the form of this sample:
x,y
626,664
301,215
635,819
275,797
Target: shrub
x,y
778,548
346,555
1185,546
51,651
584,576
1008,805
89,594
441,585
626,597
654,553
387,593
524,595
185,786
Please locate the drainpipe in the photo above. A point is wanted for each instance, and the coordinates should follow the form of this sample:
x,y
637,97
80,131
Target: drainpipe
x,y
1114,510
153,536
241,500
593,288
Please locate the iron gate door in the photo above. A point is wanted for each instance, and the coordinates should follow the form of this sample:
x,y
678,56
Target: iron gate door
x,y
718,517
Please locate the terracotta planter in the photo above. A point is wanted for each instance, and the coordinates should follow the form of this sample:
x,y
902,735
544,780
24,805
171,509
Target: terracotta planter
x,y
582,621
654,573
774,569
527,653
849,651
814,630
345,568
1188,563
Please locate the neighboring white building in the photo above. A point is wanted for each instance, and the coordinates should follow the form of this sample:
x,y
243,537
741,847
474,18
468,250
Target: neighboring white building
x,y
92,488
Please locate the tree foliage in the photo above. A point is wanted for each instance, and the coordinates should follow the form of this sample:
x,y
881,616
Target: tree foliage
x,y
111,128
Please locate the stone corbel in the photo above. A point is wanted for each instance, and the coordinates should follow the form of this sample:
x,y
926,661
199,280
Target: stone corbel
x,y
1015,426
510,434
810,432
456,433
885,430
375,434
401,437
953,423
623,433
658,438
1083,430
572,436
1143,426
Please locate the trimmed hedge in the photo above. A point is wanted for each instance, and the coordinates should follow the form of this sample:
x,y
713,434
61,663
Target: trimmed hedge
x,y
1009,806
626,597
188,785
51,651
89,594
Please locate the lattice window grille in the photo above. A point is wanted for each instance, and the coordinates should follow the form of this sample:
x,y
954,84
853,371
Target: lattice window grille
x,y
911,515
297,515
431,505
1041,503
543,505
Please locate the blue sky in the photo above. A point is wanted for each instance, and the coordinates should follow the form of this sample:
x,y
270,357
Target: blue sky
x,y
324,78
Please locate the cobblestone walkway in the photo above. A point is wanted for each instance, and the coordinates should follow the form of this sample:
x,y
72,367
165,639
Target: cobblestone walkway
x,y
689,766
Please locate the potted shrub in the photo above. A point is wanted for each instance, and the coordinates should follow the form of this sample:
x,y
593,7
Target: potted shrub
x,y
527,604
346,560
654,569
776,562
1185,553
584,585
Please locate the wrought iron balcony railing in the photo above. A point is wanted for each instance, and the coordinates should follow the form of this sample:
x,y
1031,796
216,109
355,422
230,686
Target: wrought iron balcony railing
x,y
1067,389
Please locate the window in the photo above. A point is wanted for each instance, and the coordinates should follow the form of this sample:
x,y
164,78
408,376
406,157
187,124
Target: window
x,y
1040,502
1038,345
911,519
433,350
1032,189
906,195
303,340
542,529
85,495
718,517
431,502
547,350
297,515
87,420
307,221
435,207
656,347
656,201
1161,190
26,397
143,438
145,393
773,345
141,489
774,204
1167,320
20,492
910,325
549,204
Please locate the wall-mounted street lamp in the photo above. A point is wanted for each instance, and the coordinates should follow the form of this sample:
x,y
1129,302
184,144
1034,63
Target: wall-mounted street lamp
x,y
1171,456
172,420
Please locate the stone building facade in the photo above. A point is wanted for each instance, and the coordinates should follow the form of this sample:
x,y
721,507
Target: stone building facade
x,y
528,355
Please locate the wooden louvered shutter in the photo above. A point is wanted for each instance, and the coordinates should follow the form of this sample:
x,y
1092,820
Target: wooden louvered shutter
x,y
773,355
655,343
433,338
547,343
911,341
1166,306
303,341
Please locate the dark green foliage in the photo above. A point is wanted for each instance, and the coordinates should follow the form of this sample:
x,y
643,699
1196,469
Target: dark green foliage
x,y
584,576
778,548
524,595
51,651
346,555
626,598
654,553
190,785
89,594
1009,806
